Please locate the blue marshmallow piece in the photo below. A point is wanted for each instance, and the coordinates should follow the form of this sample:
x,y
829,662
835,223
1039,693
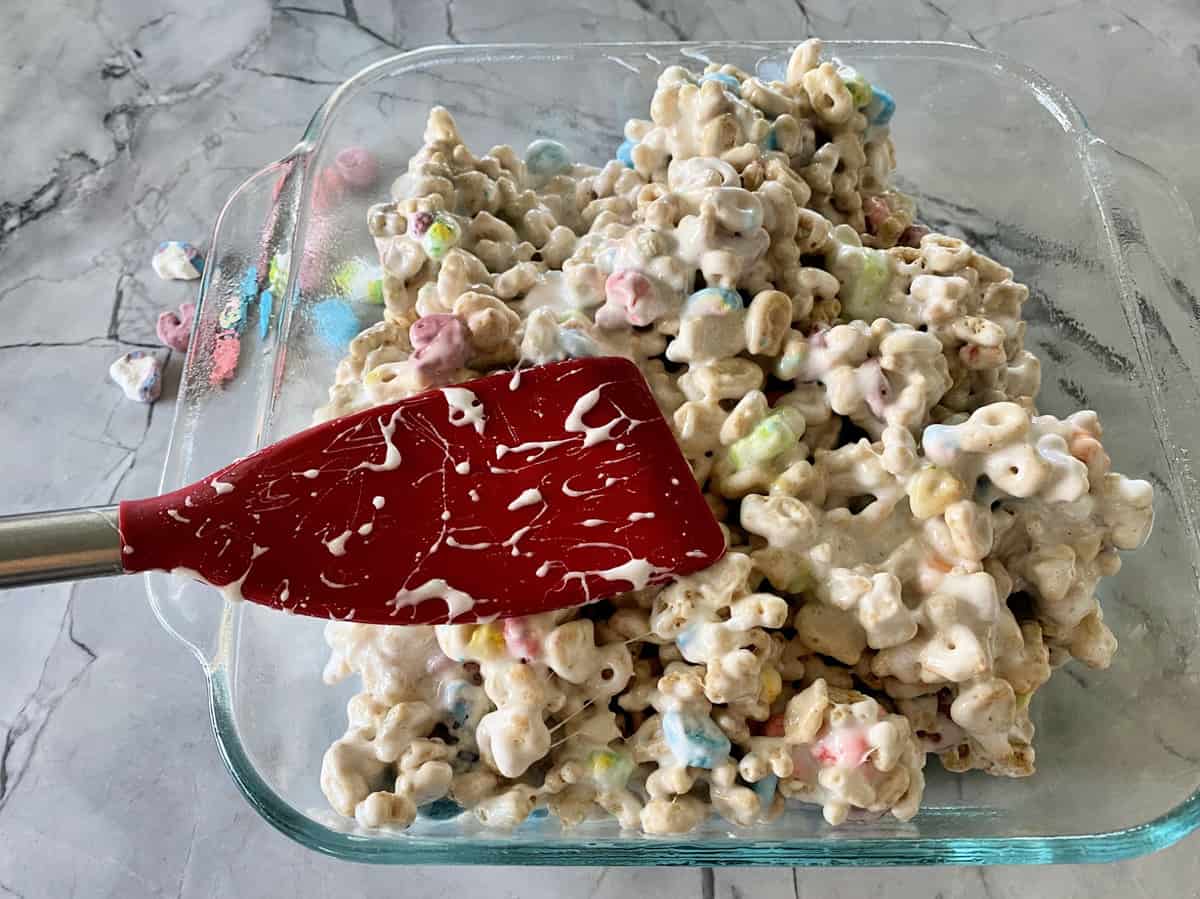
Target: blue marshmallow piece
x,y
458,700
576,344
266,301
686,637
249,286
713,301
765,791
881,107
625,153
940,443
546,158
440,810
727,81
335,322
695,741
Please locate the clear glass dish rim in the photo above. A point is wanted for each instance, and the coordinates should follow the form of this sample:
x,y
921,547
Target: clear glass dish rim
x,y
843,850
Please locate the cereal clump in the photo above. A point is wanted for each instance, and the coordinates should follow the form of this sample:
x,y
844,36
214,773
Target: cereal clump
x,y
913,548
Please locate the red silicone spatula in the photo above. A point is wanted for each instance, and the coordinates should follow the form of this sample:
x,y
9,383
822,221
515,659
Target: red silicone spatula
x,y
508,495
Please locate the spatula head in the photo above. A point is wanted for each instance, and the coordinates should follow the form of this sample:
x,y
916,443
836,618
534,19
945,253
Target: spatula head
x,y
508,495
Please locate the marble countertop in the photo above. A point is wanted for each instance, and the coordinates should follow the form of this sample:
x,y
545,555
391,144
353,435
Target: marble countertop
x,y
128,122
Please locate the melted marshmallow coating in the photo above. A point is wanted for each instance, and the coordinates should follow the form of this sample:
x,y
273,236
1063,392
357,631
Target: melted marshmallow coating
x,y
913,547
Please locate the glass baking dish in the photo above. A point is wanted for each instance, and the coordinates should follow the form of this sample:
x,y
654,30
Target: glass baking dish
x,y
994,154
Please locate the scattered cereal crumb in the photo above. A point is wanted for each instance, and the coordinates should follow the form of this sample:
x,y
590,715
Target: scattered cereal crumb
x,y
175,330
175,260
139,374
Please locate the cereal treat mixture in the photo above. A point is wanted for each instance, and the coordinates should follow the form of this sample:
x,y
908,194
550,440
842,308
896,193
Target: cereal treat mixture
x,y
913,548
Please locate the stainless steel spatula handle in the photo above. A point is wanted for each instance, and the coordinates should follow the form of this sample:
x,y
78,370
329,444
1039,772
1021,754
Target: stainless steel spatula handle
x,y
68,545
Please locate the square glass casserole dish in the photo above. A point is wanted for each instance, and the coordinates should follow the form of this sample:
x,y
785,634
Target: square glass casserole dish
x,y
993,154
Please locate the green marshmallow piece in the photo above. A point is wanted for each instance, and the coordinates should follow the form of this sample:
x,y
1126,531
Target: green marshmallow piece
x,y
441,237
859,87
861,295
770,437
789,364
277,273
343,277
610,769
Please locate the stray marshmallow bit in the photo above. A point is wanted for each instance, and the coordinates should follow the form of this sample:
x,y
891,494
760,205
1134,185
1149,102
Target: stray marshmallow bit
x,y
139,375
225,354
175,260
357,167
175,330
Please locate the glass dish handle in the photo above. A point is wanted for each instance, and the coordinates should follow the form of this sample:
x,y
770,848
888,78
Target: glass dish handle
x,y
1154,239
254,225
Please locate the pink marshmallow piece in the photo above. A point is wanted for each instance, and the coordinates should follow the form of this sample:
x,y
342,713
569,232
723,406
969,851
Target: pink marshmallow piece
x,y
877,212
419,223
329,191
877,389
357,167
520,639
224,358
846,748
176,330
439,662
911,236
440,344
630,295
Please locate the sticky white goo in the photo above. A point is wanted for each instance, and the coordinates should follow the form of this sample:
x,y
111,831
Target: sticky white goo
x,y
527,498
598,433
391,459
457,602
232,592
222,487
541,445
465,408
337,545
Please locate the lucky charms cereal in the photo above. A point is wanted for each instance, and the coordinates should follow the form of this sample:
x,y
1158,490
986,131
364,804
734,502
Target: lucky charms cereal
x,y
913,547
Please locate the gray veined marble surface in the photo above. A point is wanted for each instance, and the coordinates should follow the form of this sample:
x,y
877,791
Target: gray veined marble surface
x,y
127,122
